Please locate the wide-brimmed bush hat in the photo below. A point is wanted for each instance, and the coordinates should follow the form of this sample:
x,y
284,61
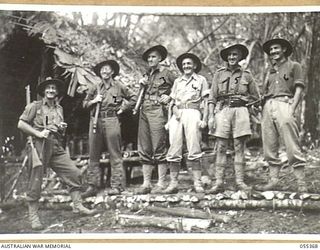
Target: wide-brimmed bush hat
x,y
193,57
59,84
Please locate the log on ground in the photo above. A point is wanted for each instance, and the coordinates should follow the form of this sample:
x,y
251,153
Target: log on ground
x,y
295,204
177,224
189,213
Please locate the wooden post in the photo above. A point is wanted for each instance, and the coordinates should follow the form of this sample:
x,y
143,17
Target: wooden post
x,y
2,179
81,146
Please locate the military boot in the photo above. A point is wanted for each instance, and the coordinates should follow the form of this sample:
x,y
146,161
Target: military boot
x,y
239,174
93,179
161,185
174,174
116,181
33,207
78,208
299,173
197,184
218,186
147,174
273,179
195,165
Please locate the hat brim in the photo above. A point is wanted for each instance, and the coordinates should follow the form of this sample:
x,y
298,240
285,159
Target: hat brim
x,y
244,51
193,57
59,84
112,63
159,48
283,42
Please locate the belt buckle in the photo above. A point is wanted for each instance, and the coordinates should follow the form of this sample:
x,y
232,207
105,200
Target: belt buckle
x,y
231,103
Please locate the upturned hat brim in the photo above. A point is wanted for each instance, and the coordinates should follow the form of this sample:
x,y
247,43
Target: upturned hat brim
x,y
283,42
59,84
112,63
161,49
193,57
244,51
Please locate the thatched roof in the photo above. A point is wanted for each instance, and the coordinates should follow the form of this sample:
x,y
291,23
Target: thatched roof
x,y
78,48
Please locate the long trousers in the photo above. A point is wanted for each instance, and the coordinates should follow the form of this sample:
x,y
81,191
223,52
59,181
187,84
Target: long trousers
x,y
52,155
276,124
152,136
108,134
187,126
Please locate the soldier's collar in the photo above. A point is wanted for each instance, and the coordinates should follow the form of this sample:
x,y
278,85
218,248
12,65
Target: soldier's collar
x,y
45,102
158,69
236,69
275,66
109,84
193,76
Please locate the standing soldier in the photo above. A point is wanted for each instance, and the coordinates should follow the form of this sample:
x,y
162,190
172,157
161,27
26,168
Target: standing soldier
x,y
232,88
152,136
189,92
43,120
282,92
106,103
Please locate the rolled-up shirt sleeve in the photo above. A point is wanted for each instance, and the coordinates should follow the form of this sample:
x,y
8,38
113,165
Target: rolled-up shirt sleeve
x,y
173,93
29,113
205,92
214,90
298,75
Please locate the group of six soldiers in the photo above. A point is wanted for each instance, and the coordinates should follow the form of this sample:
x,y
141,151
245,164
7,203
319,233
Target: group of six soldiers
x,y
227,99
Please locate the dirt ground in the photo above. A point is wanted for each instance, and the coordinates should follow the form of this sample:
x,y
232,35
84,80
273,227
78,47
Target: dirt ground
x,y
260,221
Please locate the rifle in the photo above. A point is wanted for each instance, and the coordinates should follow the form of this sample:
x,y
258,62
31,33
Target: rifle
x,y
35,157
15,182
96,114
141,94
254,103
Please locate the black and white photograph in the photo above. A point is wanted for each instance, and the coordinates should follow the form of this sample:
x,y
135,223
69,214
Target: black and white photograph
x,y
160,120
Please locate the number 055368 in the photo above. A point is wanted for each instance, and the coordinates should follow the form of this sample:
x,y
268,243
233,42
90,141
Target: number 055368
x,y
309,245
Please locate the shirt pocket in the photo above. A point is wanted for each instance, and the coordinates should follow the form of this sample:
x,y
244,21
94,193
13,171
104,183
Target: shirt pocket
x,y
39,117
195,90
243,86
222,86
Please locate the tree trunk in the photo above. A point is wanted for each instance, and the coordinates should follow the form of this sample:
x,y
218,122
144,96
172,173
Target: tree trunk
x,y
313,86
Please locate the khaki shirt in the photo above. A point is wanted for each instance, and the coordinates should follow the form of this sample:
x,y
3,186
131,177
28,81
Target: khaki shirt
x,y
160,82
189,90
283,79
113,97
40,115
238,82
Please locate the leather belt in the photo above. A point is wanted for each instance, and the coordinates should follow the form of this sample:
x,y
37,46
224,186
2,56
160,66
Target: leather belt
x,y
188,106
107,113
282,98
233,102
